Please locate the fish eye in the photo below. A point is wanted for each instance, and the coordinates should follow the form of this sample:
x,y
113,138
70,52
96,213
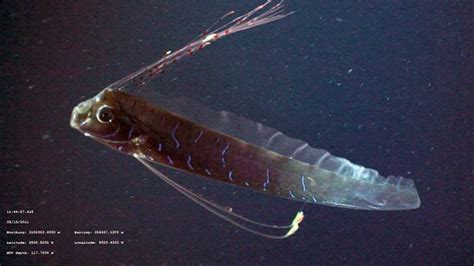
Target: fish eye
x,y
105,114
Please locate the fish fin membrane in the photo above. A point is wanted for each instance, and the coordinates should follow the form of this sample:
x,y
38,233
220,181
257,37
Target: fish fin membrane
x,y
353,188
237,126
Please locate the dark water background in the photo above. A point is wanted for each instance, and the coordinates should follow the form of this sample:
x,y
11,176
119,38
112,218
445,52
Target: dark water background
x,y
385,84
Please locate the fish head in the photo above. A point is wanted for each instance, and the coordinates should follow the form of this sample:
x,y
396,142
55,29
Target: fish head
x,y
102,119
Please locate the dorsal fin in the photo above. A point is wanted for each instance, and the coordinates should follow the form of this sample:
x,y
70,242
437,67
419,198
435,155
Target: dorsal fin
x,y
237,126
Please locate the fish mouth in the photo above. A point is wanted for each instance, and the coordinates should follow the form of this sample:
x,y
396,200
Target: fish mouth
x,y
80,114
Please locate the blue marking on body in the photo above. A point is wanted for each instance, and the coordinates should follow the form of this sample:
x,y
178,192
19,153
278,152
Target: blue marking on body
x,y
199,136
302,183
173,135
229,175
267,180
225,149
223,154
160,147
292,195
189,163
130,132
169,159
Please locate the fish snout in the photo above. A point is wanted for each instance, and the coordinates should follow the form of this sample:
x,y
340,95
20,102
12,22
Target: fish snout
x,y
81,113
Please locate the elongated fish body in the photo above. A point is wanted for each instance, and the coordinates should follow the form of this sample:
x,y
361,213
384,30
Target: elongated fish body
x,y
229,148
133,126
